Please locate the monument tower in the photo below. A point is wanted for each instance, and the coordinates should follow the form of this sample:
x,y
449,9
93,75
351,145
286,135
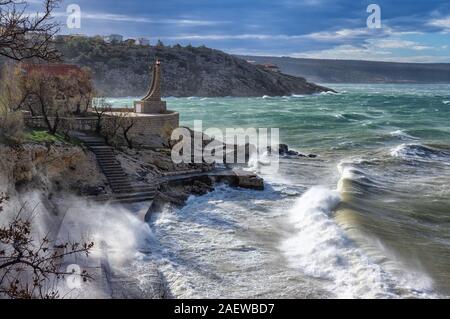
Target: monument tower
x,y
152,103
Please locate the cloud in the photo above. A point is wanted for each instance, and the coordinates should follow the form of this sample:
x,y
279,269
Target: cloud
x,y
442,23
367,54
105,16
399,44
219,37
374,50
342,34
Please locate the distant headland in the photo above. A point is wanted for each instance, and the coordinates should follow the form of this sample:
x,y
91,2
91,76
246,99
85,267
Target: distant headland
x,y
356,71
120,68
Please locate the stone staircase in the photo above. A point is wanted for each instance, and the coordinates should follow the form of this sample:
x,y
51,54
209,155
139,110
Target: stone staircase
x,y
123,190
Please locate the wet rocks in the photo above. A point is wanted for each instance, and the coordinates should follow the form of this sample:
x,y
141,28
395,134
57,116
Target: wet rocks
x,y
283,150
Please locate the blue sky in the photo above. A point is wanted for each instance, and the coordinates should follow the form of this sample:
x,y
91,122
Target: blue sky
x,y
411,31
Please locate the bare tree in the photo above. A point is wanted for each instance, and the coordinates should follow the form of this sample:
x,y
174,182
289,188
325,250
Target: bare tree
x,y
28,36
126,123
100,108
42,90
83,90
30,269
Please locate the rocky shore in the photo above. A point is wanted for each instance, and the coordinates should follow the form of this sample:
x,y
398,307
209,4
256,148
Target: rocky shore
x,y
60,180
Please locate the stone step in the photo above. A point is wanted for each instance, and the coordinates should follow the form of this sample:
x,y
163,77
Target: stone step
x,y
119,181
112,167
113,175
124,190
122,186
101,148
103,156
108,162
95,144
113,172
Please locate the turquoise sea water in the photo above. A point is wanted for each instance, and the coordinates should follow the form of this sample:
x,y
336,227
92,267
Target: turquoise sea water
x,y
369,217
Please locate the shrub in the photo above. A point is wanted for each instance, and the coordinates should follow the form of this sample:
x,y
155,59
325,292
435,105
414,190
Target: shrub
x,y
11,127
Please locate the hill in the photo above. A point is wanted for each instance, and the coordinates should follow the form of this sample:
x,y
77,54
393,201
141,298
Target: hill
x,y
353,71
123,70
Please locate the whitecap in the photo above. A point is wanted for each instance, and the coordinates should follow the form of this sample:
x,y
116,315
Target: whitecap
x,y
321,249
402,135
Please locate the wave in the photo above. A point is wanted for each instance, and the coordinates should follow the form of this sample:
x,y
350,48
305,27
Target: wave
x,y
329,243
418,152
321,249
403,136
329,93
446,102
352,117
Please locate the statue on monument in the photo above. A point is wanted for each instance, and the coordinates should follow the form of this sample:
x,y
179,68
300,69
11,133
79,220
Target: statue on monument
x,y
152,103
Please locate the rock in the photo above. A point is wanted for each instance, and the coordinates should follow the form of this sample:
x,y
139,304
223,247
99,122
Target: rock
x,y
200,188
283,150
248,180
63,167
93,190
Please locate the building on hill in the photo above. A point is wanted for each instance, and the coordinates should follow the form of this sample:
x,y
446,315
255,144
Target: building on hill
x,y
142,41
113,38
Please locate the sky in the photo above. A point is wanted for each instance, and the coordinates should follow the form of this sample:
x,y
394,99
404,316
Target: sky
x,y
410,30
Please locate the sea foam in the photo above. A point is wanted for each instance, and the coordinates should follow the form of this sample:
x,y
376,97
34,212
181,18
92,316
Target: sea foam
x,y
321,249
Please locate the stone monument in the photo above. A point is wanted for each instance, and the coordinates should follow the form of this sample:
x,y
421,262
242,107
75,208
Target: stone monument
x,y
152,103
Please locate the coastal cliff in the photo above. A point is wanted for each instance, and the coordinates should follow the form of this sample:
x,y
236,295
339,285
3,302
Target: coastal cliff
x,y
122,69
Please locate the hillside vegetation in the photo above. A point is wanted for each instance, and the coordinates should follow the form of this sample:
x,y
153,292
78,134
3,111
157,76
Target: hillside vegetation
x,y
123,70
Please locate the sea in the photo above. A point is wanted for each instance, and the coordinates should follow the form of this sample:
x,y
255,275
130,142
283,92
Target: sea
x,y
369,217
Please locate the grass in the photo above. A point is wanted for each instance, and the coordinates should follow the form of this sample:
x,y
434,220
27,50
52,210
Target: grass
x,y
43,136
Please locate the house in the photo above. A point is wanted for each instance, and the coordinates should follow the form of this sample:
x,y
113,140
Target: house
x,y
114,38
142,41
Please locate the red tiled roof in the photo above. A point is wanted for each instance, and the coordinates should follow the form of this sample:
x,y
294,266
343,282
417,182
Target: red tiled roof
x,y
52,69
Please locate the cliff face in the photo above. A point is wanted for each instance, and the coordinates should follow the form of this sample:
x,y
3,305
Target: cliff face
x,y
36,167
123,70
